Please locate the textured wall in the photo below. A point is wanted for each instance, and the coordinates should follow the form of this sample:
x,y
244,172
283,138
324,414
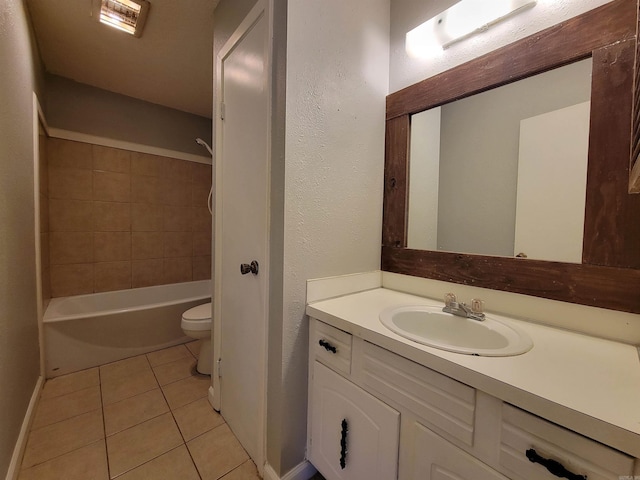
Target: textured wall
x,y
121,219
337,71
408,14
19,351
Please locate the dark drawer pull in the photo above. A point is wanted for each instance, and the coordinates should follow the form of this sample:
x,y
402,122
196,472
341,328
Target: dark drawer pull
x,y
343,444
327,346
556,468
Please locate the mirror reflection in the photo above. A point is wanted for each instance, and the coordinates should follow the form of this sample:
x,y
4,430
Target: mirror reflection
x,y
503,172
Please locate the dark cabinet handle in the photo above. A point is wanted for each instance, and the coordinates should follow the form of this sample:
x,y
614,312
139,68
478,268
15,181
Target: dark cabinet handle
x,y
556,468
343,443
327,346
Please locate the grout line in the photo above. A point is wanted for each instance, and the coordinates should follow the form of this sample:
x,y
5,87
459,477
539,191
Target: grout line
x,y
104,426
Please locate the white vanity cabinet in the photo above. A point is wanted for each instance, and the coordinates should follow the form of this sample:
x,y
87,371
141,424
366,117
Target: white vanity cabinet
x,y
409,422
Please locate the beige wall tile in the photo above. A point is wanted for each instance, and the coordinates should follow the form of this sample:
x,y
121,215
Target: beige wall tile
x,y
201,174
111,246
70,215
178,169
111,217
199,195
44,249
229,452
200,219
111,159
65,153
111,186
178,244
177,219
73,183
147,245
44,213
146,273
88,462
146,189
147,217
137,445
71,247
176,192
112,276
202,243
201,268
63,437
147,164
176,270
67,280
175,464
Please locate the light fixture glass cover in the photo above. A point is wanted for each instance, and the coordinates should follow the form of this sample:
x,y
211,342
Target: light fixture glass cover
x,y
125,15
465,18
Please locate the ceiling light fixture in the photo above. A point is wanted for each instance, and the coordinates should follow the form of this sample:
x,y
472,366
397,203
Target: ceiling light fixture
x,y
125,15
462,20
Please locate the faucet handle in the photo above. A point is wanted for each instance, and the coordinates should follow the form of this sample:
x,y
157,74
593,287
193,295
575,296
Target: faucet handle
x,y
450,299
477,305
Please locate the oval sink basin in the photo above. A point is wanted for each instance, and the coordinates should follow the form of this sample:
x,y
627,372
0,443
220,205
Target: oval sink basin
x,y
435,328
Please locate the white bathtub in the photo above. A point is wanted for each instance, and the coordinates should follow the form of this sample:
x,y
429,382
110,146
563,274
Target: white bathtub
x,y
89,330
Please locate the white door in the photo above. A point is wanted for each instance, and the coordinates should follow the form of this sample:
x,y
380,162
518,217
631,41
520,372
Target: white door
x,y
242,201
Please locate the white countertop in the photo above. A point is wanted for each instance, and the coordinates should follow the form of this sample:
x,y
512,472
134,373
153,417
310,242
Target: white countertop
x,y
587,384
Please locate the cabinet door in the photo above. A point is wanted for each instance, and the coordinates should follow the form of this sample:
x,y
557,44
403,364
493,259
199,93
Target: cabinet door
x,y
370,429
433,458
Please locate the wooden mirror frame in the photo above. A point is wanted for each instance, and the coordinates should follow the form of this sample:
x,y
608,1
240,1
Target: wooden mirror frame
x,y
609,276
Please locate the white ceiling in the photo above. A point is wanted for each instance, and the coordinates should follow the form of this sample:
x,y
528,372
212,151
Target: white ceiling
x,y
170,65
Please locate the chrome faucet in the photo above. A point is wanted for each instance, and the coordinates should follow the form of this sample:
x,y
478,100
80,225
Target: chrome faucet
x,y
452,306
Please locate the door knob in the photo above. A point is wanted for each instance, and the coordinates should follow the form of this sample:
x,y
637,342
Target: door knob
x,y
249,268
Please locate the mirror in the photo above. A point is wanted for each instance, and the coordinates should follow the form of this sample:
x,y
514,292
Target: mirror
x,y
504,172
606,270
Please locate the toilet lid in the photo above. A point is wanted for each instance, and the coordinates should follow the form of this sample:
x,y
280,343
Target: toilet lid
x,y
201,312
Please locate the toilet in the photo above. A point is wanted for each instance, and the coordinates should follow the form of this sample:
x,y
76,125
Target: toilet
x,y
196,323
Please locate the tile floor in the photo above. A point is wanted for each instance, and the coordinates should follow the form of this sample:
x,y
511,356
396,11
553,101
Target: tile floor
x,y
143,418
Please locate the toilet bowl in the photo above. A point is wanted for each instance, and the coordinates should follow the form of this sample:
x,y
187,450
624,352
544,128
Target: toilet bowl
x,y
196,323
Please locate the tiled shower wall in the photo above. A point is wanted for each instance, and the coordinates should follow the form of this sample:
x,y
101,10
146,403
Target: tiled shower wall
x,y
120,219
43,172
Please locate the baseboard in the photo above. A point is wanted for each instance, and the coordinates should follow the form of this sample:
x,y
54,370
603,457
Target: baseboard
x,y
302,471
21,442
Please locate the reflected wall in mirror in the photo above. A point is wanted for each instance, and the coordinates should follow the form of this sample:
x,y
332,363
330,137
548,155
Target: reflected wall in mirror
x,y
504,172
608,273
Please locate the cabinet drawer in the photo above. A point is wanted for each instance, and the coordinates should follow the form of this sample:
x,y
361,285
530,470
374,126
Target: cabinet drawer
x,y
444,404
522,431
331,346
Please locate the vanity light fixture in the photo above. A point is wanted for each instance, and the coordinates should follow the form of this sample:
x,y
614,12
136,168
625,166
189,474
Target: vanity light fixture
x,y
462,20
125,15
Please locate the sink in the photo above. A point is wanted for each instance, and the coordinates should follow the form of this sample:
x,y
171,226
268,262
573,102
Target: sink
x,y
429,325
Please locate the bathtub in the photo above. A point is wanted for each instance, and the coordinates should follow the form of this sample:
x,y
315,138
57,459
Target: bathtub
x,y
85,331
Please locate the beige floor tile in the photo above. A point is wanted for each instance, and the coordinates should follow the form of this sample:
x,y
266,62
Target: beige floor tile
x,y
186,390
129,386
71,383
194,347
197,418
168,355
137,445
134,410
123,368
246,471
176,370
176,464
88,462
55,409
63,437
229,454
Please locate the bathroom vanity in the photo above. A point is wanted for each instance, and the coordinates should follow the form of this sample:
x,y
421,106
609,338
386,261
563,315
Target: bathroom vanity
x,y
382,406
